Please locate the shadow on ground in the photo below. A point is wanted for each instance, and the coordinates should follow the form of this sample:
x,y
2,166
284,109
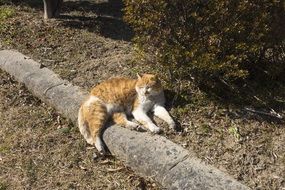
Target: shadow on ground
x,y
99,16
30,3
259,99
103,17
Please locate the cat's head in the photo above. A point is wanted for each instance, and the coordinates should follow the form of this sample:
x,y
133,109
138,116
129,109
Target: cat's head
x,y
148,85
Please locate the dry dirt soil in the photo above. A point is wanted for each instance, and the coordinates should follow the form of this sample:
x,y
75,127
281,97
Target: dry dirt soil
x,y
89,43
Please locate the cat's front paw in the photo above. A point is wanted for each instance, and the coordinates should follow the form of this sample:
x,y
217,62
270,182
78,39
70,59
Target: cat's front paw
x,y
134,126
172,125
154,129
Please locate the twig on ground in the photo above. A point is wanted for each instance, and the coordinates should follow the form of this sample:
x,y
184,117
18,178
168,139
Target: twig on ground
x,y
115,169
272,112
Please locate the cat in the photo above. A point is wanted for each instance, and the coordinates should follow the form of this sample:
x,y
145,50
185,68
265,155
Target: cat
x,y
118,98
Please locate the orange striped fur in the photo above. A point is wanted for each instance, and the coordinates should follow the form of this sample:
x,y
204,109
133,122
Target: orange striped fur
x,y
118,98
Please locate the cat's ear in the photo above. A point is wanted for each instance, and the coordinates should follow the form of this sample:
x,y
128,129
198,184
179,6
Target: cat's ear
x,y
139,76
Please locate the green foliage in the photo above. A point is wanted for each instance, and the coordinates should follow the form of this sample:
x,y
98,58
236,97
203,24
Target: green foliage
x,y
6,12
235,132
217,39
3,186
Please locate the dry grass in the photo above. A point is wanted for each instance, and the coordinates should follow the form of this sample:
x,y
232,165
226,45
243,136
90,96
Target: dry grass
x,y
40,149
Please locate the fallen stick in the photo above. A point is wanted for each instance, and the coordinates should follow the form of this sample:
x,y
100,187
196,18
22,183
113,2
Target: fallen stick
x,y
272,113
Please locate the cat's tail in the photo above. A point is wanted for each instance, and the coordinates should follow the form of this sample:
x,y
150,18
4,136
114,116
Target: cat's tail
x,y
92,117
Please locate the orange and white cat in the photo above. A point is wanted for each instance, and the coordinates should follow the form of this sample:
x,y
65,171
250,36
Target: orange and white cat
x,y
118,98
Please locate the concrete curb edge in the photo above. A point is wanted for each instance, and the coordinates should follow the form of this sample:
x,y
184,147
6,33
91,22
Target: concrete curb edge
x,y
150,155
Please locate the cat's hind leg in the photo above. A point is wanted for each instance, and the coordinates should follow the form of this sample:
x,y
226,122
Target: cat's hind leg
x,y
83,126
93,116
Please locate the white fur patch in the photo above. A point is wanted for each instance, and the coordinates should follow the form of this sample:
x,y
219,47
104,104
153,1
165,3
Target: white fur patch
x,y
99,145
111,108
142,117
163,114
153,128
91,100
83,128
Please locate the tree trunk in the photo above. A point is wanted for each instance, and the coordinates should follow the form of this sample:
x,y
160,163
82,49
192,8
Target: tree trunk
x,y
52,8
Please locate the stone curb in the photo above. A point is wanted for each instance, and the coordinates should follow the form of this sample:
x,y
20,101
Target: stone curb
x,y
149,155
